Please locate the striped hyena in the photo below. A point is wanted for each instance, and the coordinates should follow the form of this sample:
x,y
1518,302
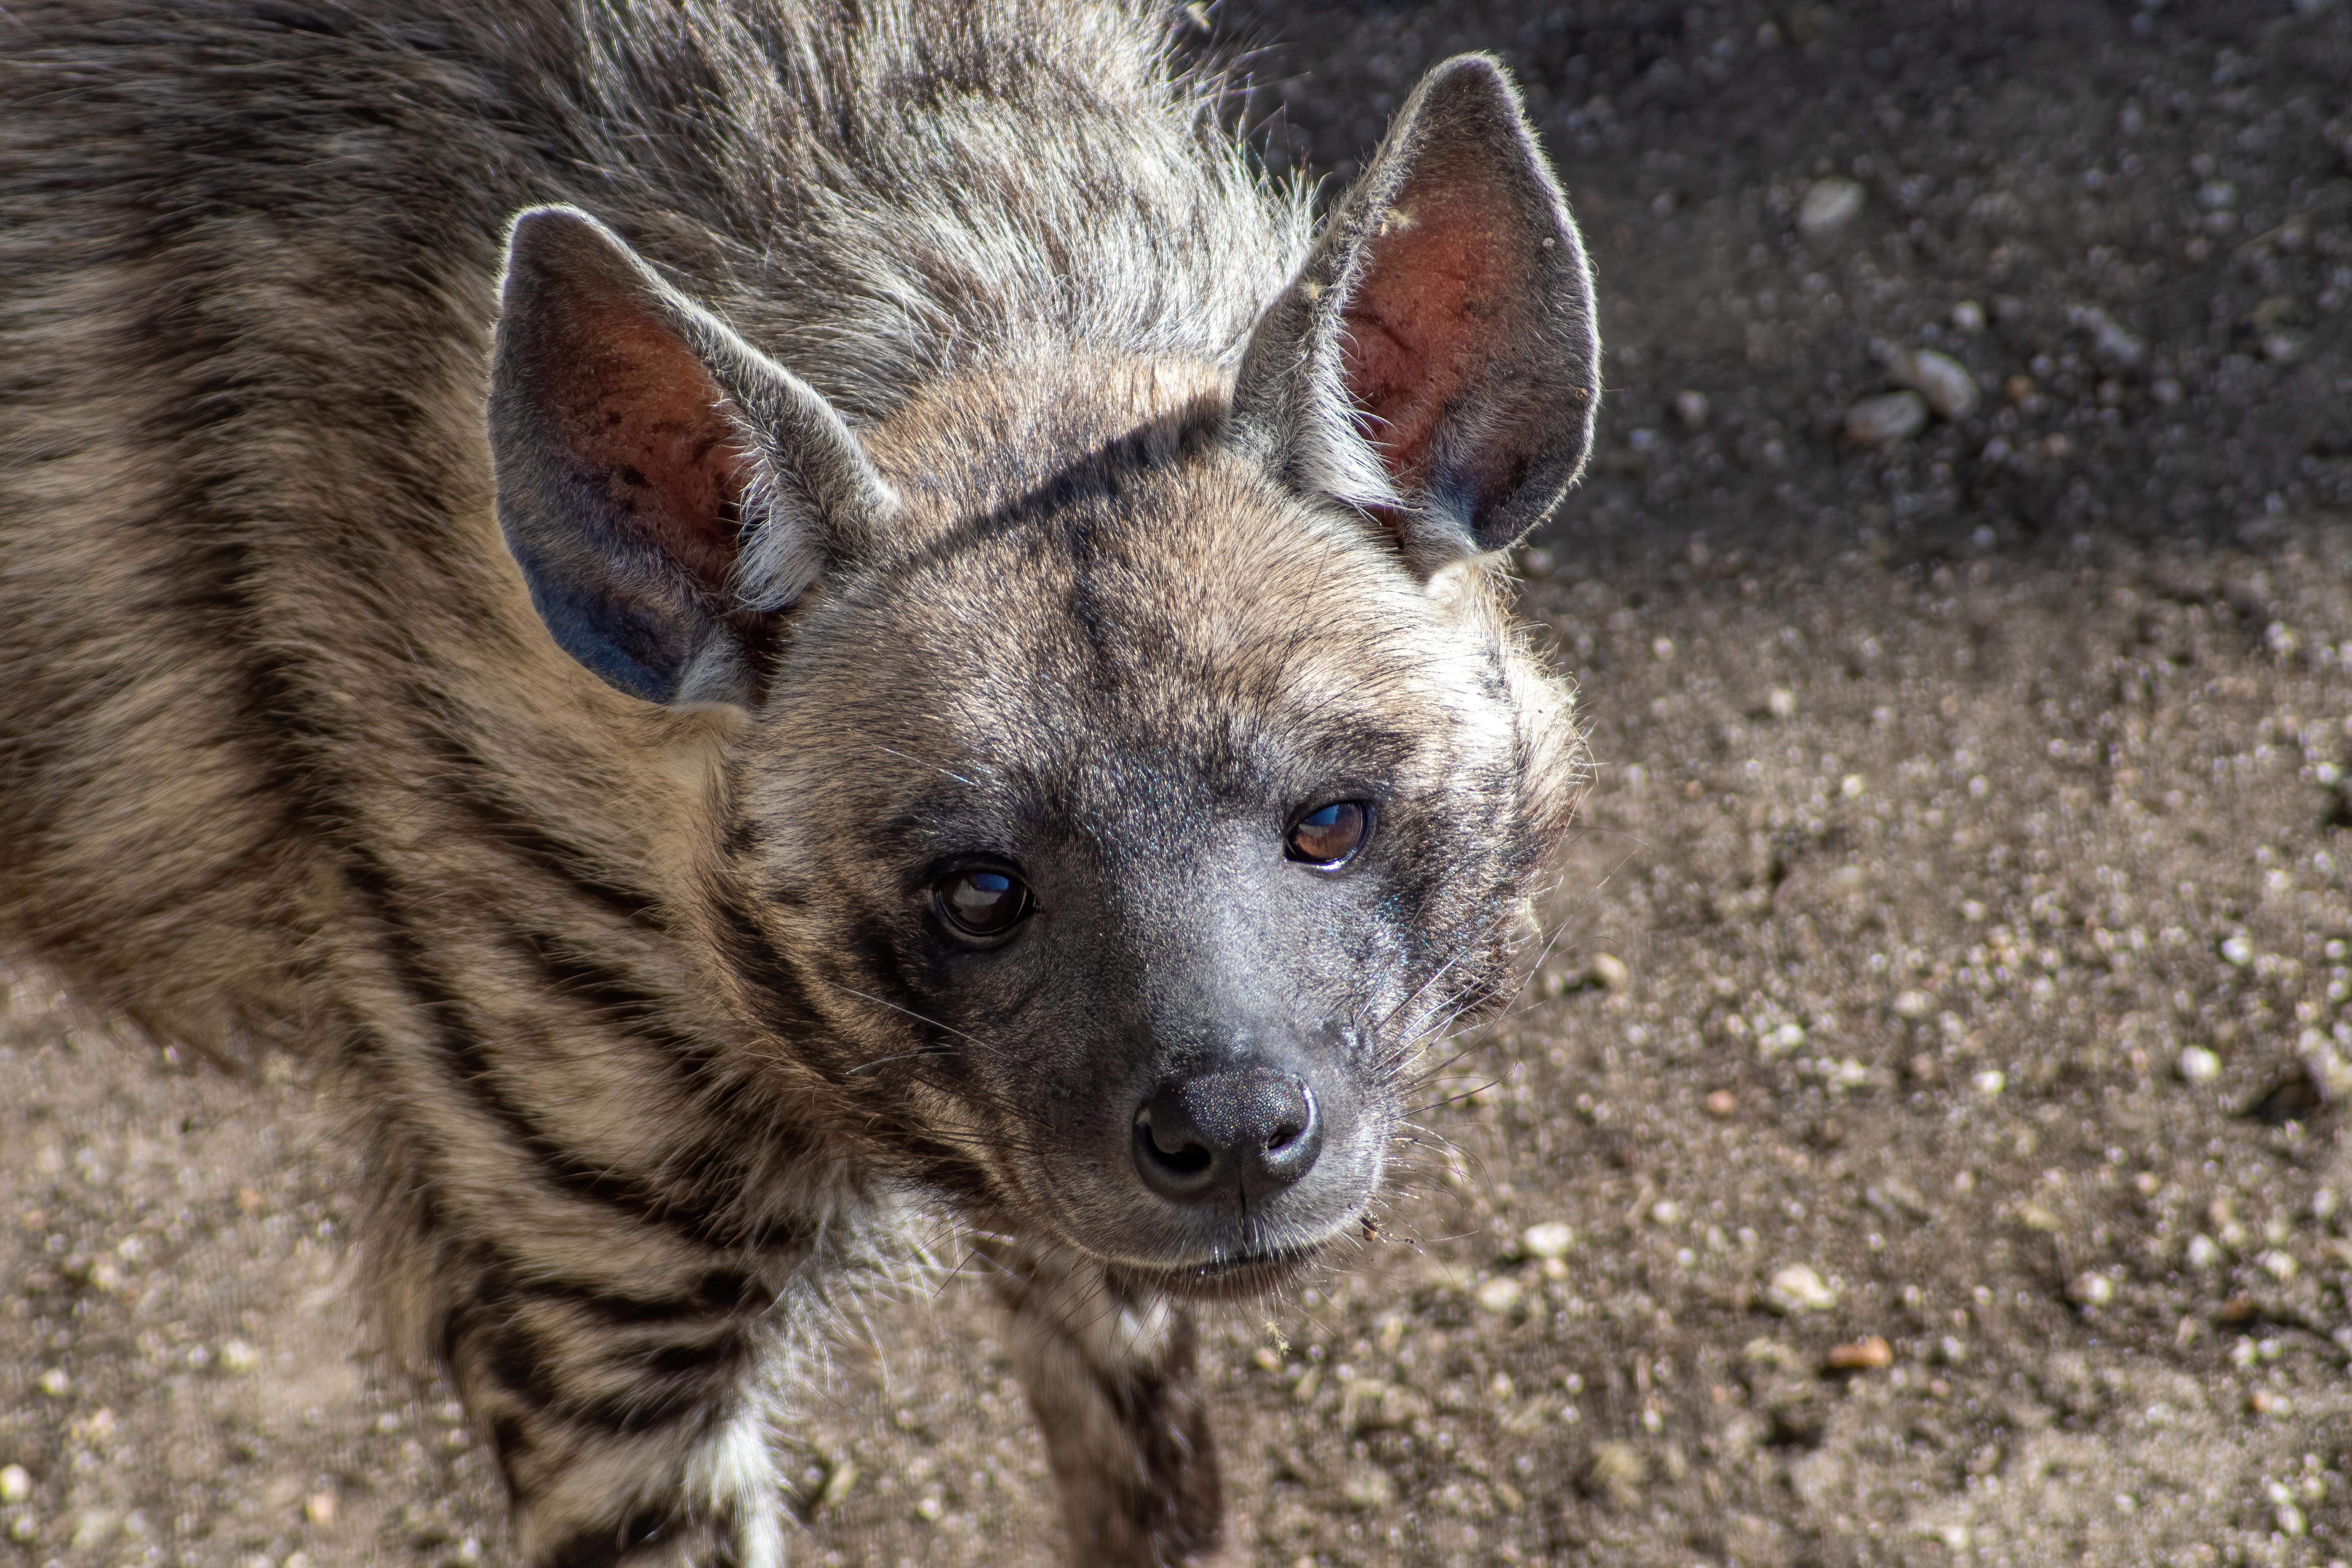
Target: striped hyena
x,y
746,614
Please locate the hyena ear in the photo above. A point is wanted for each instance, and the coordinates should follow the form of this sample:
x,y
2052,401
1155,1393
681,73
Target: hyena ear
x,y
666,487
1435,362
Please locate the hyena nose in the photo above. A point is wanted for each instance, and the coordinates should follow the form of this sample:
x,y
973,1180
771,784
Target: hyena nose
x,y
1246,1133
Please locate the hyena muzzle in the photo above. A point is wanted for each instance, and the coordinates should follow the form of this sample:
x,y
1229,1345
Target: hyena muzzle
x,y
908,636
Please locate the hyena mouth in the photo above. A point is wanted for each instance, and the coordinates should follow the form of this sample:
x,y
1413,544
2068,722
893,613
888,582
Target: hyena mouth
x,y
1231,1278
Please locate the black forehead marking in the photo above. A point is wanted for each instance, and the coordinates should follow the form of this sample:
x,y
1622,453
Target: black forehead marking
x,y
1062,501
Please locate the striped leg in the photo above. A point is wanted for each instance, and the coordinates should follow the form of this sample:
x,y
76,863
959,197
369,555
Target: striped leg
x,y
1110,1380
631,1426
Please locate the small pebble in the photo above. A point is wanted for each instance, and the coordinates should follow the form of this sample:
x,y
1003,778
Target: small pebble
x,y
1967,316
1550,1239
1942,379
1618,1469
1829,206
2198,1065
1781,702
1690,407
1797,1290
15,1485
1990,1082
1611,970
1914,1005
1368,1489
2113,345
1867,1353
1722,1102
2091,1290
1499,1294
1883,421
238,1356
55,1382
320,1507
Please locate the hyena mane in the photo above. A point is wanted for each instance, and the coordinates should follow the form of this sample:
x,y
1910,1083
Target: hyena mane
x,y
743,614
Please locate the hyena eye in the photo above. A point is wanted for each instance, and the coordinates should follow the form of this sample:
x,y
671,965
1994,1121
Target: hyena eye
x,y
1325,837
980,901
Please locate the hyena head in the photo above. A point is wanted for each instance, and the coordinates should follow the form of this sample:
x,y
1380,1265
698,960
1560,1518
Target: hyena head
x,y
1142,767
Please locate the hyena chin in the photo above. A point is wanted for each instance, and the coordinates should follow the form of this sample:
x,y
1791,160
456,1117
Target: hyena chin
x,y
733,610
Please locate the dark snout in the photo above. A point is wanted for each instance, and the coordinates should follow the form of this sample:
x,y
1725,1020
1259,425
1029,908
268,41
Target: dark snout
x,y
1240,1136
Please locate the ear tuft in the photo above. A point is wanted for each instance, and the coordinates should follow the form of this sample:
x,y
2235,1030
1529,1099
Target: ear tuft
x,y
1436,360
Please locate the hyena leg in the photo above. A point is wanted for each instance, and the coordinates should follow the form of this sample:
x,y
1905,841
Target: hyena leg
x,y
631,1420
1110,1380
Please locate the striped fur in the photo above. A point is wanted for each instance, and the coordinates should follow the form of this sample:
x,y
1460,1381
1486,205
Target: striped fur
x,y
649,1037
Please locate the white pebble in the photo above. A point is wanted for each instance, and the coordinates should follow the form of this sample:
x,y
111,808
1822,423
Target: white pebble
x,y
1967,316
1691,409
1797,1290
1829,207
1549,1241
1942,379
1499,1294
15,1486
1914,1005
2198,1065
2091,1290
1883,421
1990,1082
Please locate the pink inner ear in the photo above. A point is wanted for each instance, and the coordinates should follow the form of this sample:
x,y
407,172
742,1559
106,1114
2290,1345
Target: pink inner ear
x,y
640,415
1433,311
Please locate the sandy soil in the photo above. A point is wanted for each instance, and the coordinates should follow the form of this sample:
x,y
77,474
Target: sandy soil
x,y
1923,1142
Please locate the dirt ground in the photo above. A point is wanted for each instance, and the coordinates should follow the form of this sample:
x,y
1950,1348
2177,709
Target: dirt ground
x,y
1924,1142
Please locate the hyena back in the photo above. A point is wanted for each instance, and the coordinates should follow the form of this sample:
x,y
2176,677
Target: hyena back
x,y
906,633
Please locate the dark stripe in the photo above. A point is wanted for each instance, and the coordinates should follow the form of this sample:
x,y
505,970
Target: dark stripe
x,y
722,1292
508,1443
670,1379
605,1546
769,987
671,1382
469,1060
616,998
473,787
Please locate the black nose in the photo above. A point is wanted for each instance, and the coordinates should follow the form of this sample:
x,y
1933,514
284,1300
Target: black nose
x,y
1247,1133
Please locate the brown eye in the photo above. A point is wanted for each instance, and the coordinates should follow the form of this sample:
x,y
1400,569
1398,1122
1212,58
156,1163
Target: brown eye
x,y
1328,837
981,901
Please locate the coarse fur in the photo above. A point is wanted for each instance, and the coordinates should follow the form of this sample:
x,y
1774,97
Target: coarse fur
x,y
559,671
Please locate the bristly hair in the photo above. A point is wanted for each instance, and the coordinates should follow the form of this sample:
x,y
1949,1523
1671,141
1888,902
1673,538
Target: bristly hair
x,y
965,177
